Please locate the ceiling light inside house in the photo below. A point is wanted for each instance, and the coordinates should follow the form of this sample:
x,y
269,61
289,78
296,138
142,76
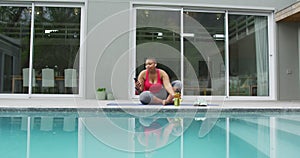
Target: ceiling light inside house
x,y
219,36
159,35
50,31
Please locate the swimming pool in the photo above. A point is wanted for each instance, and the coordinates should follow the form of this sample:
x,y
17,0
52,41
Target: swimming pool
x,y
119,133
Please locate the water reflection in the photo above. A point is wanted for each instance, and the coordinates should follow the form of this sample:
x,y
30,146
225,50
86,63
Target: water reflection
x,y
118,137
153,133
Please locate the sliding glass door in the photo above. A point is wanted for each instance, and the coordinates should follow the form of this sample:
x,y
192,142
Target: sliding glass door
x,y
14,47
197,51
158,36
204,53
248,55
56,46
214,53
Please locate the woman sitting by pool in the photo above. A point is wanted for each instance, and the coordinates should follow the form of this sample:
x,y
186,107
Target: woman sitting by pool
x,y
154,85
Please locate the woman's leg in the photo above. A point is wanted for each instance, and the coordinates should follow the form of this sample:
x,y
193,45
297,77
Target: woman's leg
x,y
147,97
161,97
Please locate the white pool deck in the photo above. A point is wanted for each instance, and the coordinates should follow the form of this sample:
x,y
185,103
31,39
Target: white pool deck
x,y
92,103
75,107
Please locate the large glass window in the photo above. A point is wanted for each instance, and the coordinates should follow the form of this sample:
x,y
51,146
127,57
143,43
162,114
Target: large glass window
x,y
248,55
14,48
204,52
56,45
199,53
158,36
55,49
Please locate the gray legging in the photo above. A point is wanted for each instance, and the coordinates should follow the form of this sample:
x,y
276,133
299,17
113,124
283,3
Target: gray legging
x,y
147,96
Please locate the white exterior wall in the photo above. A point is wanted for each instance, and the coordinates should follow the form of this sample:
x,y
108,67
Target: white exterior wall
x,y
288,61
108,23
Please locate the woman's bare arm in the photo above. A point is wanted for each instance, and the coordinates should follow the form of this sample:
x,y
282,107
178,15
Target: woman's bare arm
x,y
166,82
139,85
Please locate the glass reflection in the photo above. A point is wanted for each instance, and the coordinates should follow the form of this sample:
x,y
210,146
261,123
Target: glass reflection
x,y
158,36
56,48
14,44
204,50
248,55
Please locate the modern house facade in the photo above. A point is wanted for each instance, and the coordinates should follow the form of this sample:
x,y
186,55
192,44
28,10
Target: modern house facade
x,y
237,50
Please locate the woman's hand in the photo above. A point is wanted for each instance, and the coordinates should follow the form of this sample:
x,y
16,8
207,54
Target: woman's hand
x,y
137,86
169,99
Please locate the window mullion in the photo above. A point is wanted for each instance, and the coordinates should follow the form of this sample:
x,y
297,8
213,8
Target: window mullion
x,y
31,50
181,49
226,55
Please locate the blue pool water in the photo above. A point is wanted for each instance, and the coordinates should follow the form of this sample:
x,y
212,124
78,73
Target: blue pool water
x,y
76,136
